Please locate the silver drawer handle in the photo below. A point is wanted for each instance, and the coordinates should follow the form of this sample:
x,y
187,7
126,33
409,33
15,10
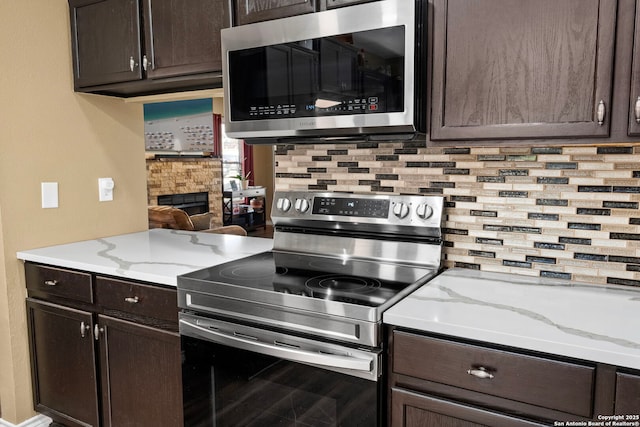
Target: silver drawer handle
x,y
50,282
133,300
637,110
480,372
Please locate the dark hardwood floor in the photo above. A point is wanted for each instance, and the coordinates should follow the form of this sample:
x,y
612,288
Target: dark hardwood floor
x,y
266,232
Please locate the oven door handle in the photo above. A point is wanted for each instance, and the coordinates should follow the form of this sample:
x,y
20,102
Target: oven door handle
x,y
282,352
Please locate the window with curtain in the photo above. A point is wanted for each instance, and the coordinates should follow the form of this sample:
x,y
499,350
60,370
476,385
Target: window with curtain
x,y
237,160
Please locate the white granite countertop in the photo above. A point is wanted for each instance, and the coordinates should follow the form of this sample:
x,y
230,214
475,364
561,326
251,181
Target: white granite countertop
x,y
599,323
156,256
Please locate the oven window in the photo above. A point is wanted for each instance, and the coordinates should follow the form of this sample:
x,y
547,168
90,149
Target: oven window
x,y
355,73
227,387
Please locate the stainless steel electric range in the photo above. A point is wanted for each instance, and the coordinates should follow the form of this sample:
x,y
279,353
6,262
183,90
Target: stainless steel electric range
x,y
293,336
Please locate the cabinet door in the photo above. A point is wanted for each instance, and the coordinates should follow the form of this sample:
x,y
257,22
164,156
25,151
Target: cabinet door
x,y
634,110
105,40
63,363
248,11
627,394
141,375
410,409
509,69
183,37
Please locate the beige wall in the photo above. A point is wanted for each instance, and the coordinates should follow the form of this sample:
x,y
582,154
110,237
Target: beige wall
x,y
49,133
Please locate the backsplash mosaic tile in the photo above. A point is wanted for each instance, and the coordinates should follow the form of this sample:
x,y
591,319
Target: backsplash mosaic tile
x,y
561,212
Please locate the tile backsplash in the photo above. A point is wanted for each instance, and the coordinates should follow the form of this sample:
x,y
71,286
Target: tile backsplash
x,y
567,212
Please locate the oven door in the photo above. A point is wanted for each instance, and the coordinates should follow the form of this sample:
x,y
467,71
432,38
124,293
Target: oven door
x,y
236,375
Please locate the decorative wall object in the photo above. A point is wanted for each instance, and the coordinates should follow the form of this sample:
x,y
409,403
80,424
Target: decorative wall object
x,y
182,126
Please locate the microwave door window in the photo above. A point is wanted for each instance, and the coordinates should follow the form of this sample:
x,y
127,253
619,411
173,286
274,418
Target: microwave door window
x,y
358,73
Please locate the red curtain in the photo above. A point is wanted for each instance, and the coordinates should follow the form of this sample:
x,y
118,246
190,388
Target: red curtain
x,y
247,164
217,135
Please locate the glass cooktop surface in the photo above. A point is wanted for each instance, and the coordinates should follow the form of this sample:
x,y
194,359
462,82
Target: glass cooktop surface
x,y
351,281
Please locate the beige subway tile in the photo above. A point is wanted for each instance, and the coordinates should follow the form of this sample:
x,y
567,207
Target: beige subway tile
x,y
545,172
497,268
466,180
583,278
485,150
590,234
515,150
552,158
611,176
586,181
560,210
497,186
579,150
623,227
595,166
619,272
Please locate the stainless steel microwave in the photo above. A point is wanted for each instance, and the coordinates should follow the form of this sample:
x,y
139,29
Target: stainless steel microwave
x,y
353,73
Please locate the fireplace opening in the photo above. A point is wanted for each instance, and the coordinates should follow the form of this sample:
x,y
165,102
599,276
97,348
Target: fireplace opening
x,y
191,203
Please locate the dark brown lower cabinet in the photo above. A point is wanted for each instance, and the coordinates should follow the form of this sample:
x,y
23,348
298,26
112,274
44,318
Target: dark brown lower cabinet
x,y
63,363
436,380
110,357
416,410
139,384
627,394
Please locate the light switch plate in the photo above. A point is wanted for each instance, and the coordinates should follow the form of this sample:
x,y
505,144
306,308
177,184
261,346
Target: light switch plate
x,y
105,189
49,195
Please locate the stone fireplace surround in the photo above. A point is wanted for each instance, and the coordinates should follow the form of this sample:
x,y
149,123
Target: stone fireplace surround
x,y
182,175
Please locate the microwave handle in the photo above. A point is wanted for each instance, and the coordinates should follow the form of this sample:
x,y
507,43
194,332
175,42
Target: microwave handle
x,y
288,353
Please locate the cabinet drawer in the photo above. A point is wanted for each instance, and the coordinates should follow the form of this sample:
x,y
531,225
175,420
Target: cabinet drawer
x,y
627,394
552,384
44,281
137,299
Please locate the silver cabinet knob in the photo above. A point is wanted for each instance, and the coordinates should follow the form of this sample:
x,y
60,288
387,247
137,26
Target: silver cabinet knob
x,y
132,64
132,300
601,112
84,328
51,282
97,330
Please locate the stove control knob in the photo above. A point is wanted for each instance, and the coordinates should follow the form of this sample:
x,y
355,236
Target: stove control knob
x,y
302,205
401,210
283,204
424,211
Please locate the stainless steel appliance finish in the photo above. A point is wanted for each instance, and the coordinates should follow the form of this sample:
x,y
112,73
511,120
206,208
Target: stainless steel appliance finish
x,y
393,241
295,333
292,86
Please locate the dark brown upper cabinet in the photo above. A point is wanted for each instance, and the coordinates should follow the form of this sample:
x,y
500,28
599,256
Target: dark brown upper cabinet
x,y
105,37
634,104
516,69
183,37
249,11
131,47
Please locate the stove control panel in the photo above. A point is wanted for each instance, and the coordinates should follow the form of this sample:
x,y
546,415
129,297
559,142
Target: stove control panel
x,y
351,206
292,207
